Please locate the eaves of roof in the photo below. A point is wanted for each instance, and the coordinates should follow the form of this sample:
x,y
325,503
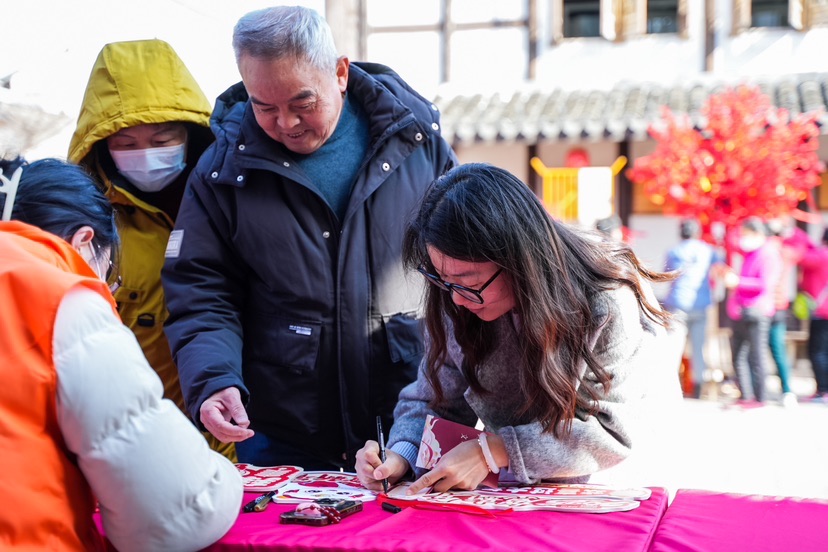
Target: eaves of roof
x,y
624,112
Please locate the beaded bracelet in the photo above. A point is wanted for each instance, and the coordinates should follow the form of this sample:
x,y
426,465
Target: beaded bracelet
x,y
487,454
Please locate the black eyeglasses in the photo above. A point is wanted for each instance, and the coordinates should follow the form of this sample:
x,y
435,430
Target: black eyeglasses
x,y
473,295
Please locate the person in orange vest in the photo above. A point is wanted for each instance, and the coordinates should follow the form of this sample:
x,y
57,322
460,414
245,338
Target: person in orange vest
x,y
82,418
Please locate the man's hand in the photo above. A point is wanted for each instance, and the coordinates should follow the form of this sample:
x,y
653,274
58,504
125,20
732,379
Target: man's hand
x,y
217,412
371,470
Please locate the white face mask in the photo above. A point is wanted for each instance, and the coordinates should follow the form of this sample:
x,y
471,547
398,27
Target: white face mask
x,y
96,264
751,243
152,169
101,268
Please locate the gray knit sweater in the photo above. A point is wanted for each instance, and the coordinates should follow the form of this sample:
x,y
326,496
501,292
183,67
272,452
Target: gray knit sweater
x,y
632,348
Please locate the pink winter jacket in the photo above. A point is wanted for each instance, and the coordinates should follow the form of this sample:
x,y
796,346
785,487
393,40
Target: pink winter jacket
x,y
815,277
757,282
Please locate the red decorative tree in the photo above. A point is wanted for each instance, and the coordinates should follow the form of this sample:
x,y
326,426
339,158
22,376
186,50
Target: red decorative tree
x,y
750,159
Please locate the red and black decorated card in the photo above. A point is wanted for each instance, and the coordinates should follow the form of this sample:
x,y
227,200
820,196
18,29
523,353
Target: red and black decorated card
x,y
439,437
266,478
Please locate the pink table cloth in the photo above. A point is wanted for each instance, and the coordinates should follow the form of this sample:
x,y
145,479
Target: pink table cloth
x,y
706,521
423,530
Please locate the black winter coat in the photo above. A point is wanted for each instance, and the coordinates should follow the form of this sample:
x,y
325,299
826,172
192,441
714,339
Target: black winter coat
x,y
312,318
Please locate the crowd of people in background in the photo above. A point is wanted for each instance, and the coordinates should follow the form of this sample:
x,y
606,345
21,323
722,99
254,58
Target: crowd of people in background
x,y
762,266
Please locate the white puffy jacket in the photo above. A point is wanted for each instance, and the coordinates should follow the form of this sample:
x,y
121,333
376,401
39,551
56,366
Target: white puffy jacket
x,y
159,485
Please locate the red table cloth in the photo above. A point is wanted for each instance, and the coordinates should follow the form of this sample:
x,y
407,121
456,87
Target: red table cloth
x,y
706,520
424,530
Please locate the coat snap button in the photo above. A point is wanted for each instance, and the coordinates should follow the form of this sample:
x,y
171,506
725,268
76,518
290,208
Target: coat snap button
x,y
239,178
241,147
326,234
214,175
418,136
435,126
386,167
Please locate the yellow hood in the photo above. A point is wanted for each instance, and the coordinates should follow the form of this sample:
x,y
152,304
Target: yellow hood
x,y
132,83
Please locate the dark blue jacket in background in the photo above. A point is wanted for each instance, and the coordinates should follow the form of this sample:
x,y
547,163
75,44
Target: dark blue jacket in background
x,y
312,318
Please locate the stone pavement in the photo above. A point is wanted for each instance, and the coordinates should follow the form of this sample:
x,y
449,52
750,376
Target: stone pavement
x,y
773,450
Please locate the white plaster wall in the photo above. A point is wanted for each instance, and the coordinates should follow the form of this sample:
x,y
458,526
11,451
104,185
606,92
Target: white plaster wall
x,y
595,63
601,154
669,58
600,63
766,51
512,157
652,238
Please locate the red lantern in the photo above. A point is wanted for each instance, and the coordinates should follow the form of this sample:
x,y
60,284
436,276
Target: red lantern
x,y
577,158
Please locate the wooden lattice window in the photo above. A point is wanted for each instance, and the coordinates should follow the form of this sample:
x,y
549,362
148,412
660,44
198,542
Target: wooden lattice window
x,y
585,18
815,13
641,17
797,14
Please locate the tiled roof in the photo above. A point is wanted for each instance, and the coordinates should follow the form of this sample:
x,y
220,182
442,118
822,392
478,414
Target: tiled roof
x,y
625,111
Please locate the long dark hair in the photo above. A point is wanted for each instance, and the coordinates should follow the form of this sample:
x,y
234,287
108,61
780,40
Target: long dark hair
x,y
478,213
60,198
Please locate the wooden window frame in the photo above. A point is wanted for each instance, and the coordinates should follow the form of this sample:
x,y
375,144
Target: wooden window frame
x,y
446,28
814,13
822,193
632,19
798,19
609,15
620,20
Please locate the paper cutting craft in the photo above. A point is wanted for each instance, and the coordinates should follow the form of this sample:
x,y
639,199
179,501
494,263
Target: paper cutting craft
x,y
558,490
315,485
520,502
266,478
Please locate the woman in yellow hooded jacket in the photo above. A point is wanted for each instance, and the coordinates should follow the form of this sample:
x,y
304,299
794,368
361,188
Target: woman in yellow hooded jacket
x,y
142,126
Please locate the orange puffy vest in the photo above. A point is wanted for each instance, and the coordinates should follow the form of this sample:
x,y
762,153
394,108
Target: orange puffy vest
x,y
45,499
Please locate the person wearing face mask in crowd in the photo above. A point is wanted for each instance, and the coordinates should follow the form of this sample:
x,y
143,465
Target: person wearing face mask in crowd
x,y
793,244
82,417
142,126
550,335
751,306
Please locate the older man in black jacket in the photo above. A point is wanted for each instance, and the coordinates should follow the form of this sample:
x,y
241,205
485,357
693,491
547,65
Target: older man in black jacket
x,y
290,317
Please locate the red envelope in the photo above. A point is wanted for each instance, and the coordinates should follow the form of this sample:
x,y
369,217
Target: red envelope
x,y
439,437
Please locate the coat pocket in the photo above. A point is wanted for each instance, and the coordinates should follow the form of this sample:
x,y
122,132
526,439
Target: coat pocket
x,y
403,332
292,344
